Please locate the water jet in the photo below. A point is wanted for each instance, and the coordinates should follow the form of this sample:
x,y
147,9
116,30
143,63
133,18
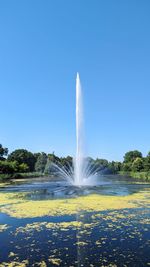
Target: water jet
x,y
82,172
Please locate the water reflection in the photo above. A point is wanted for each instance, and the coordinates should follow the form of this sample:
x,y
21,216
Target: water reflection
x,y
47,188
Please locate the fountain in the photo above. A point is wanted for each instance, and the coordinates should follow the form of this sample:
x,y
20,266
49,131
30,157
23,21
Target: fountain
x,y
79,160
82,172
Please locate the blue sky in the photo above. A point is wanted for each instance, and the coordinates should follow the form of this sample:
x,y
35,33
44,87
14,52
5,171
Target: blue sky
x,y
42,46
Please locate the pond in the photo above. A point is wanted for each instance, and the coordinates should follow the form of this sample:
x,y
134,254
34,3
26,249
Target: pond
x,y
46,222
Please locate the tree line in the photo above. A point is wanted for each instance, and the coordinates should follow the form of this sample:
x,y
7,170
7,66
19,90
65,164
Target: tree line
x,y
24,161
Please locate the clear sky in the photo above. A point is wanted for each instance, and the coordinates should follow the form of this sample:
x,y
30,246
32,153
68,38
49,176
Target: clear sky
x,y
42,46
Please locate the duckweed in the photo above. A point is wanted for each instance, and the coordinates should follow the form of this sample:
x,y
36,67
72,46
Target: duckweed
x,y
20,207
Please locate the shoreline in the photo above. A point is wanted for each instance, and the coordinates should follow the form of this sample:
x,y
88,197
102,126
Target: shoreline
x,y
7,177
134,176
141,176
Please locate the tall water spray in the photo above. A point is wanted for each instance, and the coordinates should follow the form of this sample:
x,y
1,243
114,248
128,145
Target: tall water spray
x,y
79,159
82,171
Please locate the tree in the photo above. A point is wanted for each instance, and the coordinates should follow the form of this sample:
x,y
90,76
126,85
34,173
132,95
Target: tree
x,y
147,162
3,152
23,156
114,166
126,166
23,167
117,166
36,155
103,163
54,158
41,162
132,155
9,167
137,165
66,162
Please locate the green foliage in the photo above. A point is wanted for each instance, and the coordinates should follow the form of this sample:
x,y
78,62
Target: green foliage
x,y
5,176
9,167
3,152
21,162
36,155
101,162
114,166
143,175
54,158
134,162
23,156
66,162
126,167
132,155
137,165
147,163
23,167
48,167
41,162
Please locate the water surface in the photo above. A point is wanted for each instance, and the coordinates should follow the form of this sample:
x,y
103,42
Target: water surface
x,y
45,222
